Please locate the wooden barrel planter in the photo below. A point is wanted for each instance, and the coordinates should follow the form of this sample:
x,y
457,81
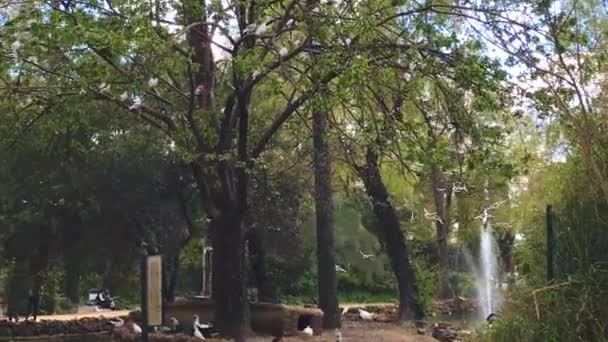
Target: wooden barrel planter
x,y
266,318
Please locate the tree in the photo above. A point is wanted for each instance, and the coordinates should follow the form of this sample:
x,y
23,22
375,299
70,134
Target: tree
x,y
367,167
560,47
324,212
180,96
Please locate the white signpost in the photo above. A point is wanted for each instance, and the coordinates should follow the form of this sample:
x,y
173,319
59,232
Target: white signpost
x,y
154,294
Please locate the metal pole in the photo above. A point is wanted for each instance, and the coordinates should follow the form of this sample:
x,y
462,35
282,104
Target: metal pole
x,y
550,245
144,292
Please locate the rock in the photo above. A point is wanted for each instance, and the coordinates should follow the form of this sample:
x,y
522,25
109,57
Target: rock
x,y
383,318
446,333
420,324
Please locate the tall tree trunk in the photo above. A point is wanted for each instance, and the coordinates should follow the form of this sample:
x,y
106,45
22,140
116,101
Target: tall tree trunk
x,y
409,302
72,281
505,245
171,273
231,309
267,292
441,197
324,211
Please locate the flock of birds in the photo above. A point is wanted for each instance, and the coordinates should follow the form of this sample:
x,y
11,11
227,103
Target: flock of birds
x,y
199,330
203,330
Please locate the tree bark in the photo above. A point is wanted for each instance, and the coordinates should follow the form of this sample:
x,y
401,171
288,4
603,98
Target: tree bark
x,y
442,225
231,309
170,277
72,281
267,292
505,245
409,302
324,211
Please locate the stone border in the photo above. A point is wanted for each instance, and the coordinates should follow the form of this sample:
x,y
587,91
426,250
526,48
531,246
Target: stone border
x,y
59,337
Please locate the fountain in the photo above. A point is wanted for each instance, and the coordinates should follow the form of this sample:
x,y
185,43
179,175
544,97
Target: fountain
x,y
485,270
486,278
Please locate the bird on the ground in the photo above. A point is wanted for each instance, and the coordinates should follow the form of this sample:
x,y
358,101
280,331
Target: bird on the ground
x,y
338,335
117,322
197,327
365,315
366,256
197,323
175,326
136,328
198,334
491,318
308,330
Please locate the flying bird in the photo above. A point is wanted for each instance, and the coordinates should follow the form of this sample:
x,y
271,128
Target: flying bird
x,y
432,216
459,187
366,256
152,82
340,269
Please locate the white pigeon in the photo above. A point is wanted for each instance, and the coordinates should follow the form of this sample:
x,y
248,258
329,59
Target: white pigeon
x,y
124,96
366,316
432,216
153,82
136,104
105,88
308,331
340,269
117,322
261,29
366,256
338,335
16,46
344,310
283,52
137,328
459,187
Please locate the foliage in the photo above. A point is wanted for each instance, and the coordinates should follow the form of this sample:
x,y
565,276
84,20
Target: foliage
x,y
575,309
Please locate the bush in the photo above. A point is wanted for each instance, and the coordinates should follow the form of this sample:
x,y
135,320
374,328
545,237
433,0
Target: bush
x,y
428,282
463,284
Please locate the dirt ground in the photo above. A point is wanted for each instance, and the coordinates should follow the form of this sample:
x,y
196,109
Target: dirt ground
x,y
360,331
355,331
